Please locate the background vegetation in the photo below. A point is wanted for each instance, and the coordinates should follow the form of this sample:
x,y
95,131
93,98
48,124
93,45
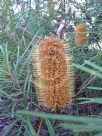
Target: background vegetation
x,y
22,24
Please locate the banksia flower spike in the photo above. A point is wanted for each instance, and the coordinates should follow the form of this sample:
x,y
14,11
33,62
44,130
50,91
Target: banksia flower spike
x,y
51,4
80,34
54,76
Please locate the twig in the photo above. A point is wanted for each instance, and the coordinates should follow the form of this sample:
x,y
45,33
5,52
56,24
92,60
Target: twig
x,y
60,28
39,128
85,84
11,36
38,107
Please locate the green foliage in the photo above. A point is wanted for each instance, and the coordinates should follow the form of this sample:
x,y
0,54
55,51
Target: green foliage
x,y
20,31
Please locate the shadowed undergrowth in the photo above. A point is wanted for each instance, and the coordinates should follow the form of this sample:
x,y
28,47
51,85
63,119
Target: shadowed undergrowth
x,y
20,113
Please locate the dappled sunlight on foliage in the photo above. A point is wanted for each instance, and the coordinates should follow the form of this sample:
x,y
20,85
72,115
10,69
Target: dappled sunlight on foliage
x,y
23,24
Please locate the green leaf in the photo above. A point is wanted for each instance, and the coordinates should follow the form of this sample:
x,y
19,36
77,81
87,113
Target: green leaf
x,y
50,127
20,129
6,132
32,130
88,70
95,88
91,100
82,119
82,127
93,65
6,95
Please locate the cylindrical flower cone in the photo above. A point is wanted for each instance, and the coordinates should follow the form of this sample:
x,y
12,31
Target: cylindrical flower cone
x,y
81,35
54,76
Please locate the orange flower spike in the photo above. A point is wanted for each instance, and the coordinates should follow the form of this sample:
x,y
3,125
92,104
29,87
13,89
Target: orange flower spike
x,y
81,34
51,4
54,76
